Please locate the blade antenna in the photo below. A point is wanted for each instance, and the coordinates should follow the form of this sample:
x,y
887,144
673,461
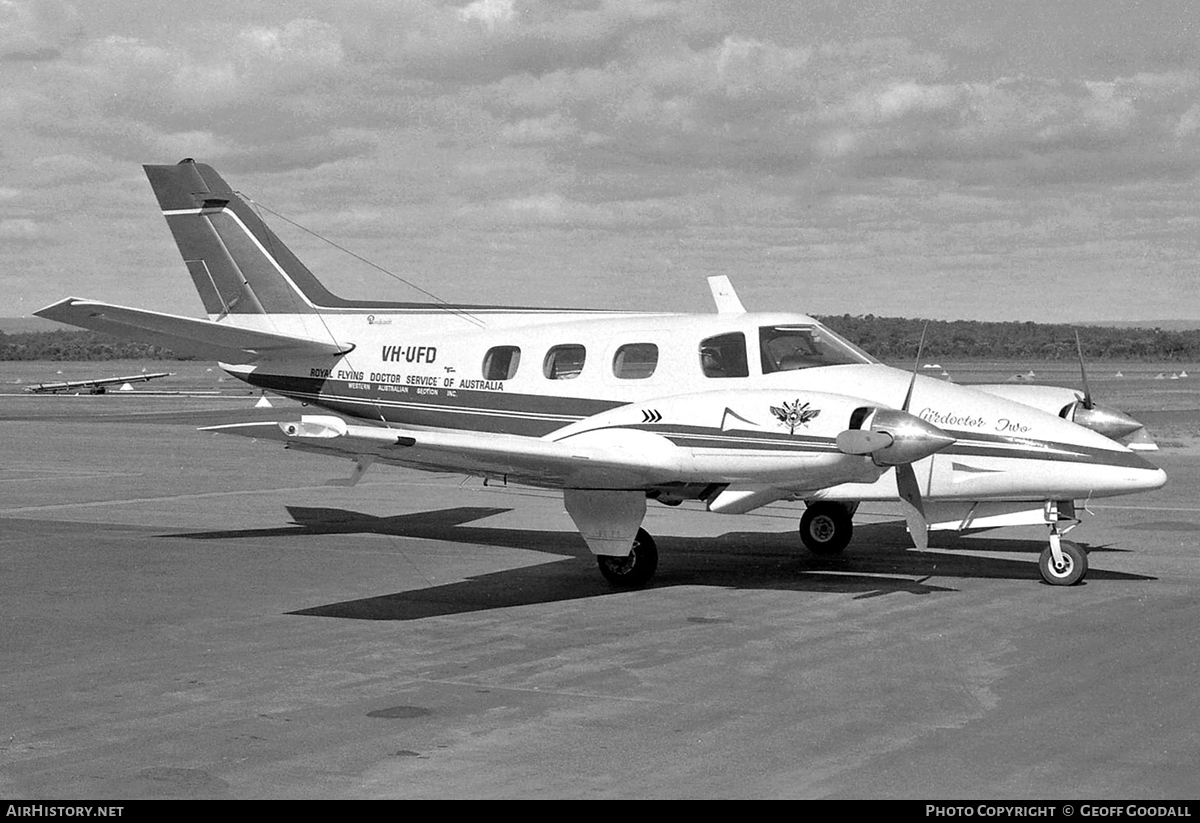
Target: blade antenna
x,y
1088,403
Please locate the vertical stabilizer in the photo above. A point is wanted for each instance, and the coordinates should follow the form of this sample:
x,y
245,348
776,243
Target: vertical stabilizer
x,y
238,264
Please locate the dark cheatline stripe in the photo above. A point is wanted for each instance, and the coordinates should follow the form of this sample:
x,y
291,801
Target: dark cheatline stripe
x,y
976,444
491,412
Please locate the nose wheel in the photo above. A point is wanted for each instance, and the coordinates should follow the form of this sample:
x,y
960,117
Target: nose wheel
x,y
1068,569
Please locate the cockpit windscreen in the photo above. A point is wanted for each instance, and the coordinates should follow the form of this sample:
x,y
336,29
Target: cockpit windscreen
x,y
787,348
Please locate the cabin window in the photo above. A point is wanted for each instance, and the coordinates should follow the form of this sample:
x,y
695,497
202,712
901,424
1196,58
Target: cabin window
x,y
788,348
724,355
635,361
564,362
500,363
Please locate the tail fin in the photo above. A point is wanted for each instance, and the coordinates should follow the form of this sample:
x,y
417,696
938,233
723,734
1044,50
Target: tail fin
x,y
238,264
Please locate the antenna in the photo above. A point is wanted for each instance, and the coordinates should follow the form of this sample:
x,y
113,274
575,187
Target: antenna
x,y
443,304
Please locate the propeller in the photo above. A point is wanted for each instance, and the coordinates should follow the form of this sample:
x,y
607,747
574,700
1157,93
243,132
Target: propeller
x,y
898,438
1086,400
906,477
1085,411
916,365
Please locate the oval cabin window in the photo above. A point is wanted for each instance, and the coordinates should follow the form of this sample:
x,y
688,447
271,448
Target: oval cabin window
x,y
635,361
564,362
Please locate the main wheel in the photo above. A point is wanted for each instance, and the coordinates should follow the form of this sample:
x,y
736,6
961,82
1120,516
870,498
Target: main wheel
x,y
635,569
826,528
1070,571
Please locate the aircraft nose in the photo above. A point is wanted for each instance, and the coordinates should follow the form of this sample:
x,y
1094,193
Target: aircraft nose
x,y
1138,475
1152,478
1128,476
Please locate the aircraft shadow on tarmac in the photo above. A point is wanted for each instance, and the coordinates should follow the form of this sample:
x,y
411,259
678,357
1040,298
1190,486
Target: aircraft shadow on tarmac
x,y
880,561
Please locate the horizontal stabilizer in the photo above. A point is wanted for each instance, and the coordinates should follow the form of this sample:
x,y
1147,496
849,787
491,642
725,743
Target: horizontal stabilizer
x,y
185,335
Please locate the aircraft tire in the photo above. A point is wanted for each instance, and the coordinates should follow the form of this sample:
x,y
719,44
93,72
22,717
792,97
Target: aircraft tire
x,y
1073,569
826,528
635,570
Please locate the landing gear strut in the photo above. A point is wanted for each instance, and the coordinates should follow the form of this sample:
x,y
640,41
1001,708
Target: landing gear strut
x,y
634,570
1062,563
826,528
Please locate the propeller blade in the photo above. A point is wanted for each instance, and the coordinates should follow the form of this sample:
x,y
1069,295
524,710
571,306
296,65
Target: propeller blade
x,y
916,365
1088,403
914,509
860,441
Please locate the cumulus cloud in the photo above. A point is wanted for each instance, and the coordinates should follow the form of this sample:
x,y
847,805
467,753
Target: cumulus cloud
x,y
1189,122
20,230
618,84
304,45
490,13
714,123
36,29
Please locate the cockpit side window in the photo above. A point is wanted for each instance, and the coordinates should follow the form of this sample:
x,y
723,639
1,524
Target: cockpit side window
x,y
787,348
724,355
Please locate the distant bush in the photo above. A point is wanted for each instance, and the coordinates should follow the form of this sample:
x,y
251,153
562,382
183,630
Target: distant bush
x,y
77,345
892,338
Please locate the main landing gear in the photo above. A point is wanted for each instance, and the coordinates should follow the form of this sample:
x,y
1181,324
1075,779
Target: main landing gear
x,y
1062,563
826,527
634,570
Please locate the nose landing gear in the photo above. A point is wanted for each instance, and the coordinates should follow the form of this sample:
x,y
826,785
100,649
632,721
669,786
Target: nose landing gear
x,y
1063,562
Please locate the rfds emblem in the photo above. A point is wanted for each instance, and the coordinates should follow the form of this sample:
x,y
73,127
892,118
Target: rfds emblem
x,y
794,415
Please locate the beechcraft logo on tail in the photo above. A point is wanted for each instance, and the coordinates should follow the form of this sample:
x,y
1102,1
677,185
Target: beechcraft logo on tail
x,y
794,414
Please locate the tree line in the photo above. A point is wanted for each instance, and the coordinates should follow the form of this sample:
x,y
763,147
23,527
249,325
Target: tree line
x,y
63,344
888,338
892,338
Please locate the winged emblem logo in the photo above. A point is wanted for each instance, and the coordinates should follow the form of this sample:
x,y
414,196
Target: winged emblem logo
x,y
794,415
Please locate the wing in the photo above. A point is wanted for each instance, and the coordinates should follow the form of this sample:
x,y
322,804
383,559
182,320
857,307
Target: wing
x,y
609,459
688,452
185,335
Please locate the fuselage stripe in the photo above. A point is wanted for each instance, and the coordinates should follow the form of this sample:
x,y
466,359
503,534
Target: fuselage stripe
x,y
436,412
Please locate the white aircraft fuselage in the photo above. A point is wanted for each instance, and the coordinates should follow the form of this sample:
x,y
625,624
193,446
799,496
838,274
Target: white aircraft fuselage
x,y
423,369
734,409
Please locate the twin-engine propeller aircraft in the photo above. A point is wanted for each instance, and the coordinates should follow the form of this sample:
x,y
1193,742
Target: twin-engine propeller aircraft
x,y
97,385
736,410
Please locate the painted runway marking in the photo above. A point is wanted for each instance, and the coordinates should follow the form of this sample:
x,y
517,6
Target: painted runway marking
x,y
1147,508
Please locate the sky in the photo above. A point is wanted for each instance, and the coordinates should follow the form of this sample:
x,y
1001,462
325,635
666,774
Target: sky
x,y
947,159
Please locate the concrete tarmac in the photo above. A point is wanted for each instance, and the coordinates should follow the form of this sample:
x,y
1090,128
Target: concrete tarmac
x,y
191,616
